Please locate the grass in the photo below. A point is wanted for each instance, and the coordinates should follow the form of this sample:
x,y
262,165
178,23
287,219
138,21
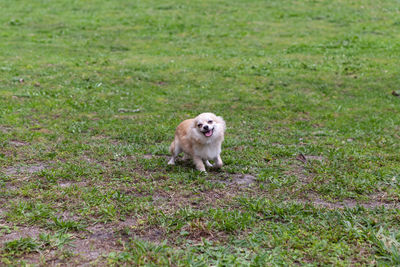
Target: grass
x,y
91,93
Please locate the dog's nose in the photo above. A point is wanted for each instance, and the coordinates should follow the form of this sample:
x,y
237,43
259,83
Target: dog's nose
x,y
205,127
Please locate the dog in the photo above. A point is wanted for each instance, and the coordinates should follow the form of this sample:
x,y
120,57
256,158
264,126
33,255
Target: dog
x,y
199,139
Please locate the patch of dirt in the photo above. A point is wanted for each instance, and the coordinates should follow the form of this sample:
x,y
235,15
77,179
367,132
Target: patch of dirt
x,y
99,241
18,143
305,158
2,213
300,172
5,129
71,183
88,159
129,222
148,156
126,117
155,235
42,130
128,229
107,138
197,230
330,205
349,203
297,169
21,232
170,202
88,248
29,169
237,179
319,158
100,137
65,184
214,197
243,179
68,216
167,156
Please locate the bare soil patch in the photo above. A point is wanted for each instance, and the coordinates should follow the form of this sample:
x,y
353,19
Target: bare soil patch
x,y
147,156
151,234
71,183
5,129
300,172
306,158
27,169
242,180
349,203
166,156
20,232
297,169
98,242
18,143
2,211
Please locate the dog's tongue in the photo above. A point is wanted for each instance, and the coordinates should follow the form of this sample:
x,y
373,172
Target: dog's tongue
x,y
209,133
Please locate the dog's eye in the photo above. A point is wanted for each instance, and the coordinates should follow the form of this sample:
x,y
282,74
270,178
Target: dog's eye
x,y
209,122
199,125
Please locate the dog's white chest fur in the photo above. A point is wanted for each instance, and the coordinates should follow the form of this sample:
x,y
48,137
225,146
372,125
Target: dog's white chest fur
x,y
209,151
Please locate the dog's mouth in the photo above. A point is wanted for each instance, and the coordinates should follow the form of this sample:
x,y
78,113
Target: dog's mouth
x,y
208,133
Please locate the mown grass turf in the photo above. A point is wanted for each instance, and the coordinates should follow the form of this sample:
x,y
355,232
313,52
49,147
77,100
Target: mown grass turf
x,y
90,95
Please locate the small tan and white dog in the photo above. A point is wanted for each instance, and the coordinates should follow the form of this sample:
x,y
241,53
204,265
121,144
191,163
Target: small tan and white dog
x,y
200,139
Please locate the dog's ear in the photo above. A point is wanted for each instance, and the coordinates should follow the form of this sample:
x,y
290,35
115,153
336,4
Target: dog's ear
x,y
194,123
221,121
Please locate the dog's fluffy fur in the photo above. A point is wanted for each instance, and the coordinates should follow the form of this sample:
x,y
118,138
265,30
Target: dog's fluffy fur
x,y
200,139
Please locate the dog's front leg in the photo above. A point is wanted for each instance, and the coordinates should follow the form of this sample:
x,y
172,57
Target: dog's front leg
x,y
218,162
199,164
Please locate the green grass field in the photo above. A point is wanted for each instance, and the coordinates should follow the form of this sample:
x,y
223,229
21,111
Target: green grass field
x,y
90,95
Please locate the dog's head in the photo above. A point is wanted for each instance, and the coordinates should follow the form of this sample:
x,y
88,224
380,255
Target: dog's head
x,y
209,125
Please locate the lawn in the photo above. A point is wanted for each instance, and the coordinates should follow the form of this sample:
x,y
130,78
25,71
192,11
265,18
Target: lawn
x,y
92,91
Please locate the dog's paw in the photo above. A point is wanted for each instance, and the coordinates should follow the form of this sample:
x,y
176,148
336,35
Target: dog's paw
x,y
217,165
171,162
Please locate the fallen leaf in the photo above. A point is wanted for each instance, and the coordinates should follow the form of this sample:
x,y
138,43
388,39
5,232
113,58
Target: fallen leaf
x,y
302,158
